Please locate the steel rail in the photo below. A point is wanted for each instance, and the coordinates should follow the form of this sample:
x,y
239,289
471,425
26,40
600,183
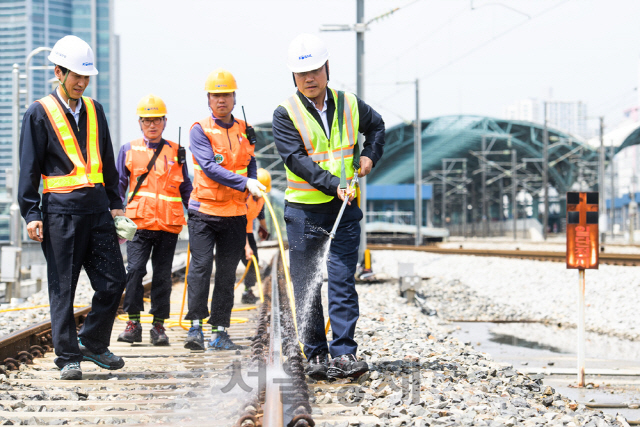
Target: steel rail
x,y
605,258
34,341
273,408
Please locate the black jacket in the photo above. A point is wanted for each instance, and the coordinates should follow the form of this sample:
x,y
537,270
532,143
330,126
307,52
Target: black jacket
x,y
291,148
42,154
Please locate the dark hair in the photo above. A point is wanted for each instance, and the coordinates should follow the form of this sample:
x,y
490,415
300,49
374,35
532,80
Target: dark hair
x,y
64,70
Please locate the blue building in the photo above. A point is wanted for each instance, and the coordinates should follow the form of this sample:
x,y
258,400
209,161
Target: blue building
x,y
28,24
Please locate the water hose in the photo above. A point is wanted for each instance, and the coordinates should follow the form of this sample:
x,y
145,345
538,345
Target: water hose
x,y
287,277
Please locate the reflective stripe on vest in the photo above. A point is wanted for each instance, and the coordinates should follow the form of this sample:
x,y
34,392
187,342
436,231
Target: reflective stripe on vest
x,y
153,196
239,171
327,153
79,176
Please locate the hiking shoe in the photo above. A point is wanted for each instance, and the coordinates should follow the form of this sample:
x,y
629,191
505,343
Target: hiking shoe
x,y
248,297
158,334
106,360
195,339
132,333
71,371
317,367
346,366
223,342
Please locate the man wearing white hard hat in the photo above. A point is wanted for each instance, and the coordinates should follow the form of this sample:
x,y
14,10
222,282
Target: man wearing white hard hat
x,y
65,144
315,132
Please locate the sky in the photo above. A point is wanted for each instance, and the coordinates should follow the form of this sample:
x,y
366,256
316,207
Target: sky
x,y
470,56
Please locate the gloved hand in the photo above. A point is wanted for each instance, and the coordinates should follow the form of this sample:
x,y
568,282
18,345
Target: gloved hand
x,y
263,233
254,186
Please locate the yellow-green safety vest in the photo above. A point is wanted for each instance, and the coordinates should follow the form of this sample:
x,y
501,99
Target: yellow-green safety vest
x,y
81,175
327,153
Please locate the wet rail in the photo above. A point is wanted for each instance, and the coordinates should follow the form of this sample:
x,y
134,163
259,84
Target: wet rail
x,y
605,258
261,385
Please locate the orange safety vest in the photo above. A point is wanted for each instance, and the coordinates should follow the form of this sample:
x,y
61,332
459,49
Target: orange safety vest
x,y
81,175
158,204
253,210
233,152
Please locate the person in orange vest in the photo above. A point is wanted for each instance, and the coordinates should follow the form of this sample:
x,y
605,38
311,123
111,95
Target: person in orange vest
x,y
255,210
224,174
65,144
154,185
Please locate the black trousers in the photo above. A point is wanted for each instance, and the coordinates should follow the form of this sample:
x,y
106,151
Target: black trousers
x,y
161,246
228,235
70,243
250,278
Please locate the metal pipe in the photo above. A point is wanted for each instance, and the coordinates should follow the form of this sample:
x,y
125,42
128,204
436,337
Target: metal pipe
x,y
484,187
417,144
603,203
514,193
581,343
360,28
545,175
464,199
444,193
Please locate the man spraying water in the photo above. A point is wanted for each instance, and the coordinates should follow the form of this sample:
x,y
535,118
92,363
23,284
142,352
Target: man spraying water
x,y
315,132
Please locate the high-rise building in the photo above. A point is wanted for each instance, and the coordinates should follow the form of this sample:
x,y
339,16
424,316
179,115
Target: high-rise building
x,y
567,116
28,24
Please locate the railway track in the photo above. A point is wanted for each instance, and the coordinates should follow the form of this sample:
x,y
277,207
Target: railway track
x,y
262,385
605,258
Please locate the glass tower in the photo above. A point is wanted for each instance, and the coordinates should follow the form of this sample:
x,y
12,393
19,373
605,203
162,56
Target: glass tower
x,y
28,24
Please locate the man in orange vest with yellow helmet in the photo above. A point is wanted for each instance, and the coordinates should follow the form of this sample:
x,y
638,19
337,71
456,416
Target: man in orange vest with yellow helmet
x,y
224,174
154,184
255,210
65,144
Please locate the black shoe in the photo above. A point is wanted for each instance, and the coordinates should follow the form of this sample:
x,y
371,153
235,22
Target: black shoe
x,y
106,360
317,367
346,366
195,339
71,371
158,334
132,333
248,297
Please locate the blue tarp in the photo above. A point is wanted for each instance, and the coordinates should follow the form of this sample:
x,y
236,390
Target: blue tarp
x,y
398,192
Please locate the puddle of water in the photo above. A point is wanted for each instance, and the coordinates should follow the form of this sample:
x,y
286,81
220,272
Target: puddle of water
x,y
519,342
541,348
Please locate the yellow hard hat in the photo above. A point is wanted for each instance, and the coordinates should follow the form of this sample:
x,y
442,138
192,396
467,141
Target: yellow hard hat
x,y
264,177
151,106
220,81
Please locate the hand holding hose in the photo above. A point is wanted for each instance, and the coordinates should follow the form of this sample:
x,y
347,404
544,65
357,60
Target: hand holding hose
x,y
347,194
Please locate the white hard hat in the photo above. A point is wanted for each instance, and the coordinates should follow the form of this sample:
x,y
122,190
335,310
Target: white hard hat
x,y
75,54
306,53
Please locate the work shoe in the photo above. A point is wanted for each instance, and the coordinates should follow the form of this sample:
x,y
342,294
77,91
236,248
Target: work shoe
x,y
248,297
158,334
346,366
195,339
223,342
132,333
106,360
317,367
71,371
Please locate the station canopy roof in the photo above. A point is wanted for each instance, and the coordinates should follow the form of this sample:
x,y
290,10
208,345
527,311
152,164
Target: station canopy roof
x,y
456,137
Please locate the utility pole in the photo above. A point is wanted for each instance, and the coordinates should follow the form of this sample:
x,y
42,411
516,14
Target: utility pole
x,y
444,193
514,193
545,174
16,235
612,211
603,200
464,199
360,29
417,144
484,187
